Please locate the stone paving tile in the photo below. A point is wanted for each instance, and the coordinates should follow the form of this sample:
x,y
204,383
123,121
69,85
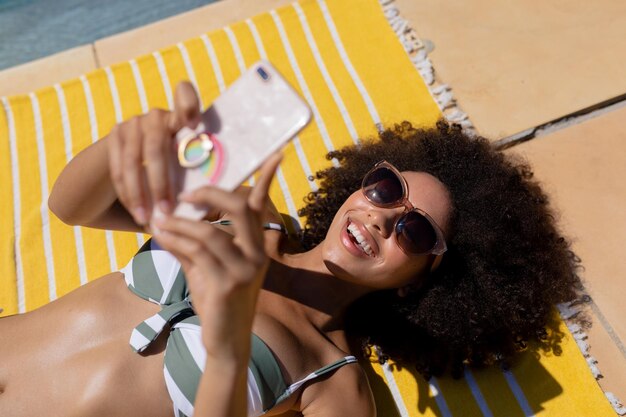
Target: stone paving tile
x,y
46,71
582,168
516,65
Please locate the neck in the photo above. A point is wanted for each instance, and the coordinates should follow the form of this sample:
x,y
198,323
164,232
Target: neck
x,y
321,297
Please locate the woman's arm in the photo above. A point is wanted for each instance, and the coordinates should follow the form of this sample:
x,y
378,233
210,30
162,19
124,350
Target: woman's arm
x,y
114,183
224,274
83,194
227,383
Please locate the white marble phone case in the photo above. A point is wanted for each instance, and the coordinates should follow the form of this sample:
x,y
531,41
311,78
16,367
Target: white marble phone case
x,y
258,114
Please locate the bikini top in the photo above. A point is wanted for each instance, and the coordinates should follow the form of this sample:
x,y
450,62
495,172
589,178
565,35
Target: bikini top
x,y
155,275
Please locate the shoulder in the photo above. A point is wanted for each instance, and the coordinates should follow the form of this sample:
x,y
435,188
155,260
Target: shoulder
x,y
344,392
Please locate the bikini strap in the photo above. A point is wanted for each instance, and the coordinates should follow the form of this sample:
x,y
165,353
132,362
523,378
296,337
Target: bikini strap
x,y
322,371
267,226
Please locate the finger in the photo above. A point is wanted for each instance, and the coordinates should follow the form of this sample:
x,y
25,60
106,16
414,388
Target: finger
x,y
172,243
190,252
133,170
211,196
260,193
186,107
251,228
215,242
114,143
156,154
246,222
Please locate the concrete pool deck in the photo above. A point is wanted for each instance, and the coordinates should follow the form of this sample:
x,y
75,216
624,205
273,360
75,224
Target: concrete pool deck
x,y
511,74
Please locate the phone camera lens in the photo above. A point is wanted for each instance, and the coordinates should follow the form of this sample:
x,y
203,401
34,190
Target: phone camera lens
x,y
263,73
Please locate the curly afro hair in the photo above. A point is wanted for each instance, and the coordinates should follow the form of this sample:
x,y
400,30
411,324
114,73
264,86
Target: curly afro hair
x,y
506,266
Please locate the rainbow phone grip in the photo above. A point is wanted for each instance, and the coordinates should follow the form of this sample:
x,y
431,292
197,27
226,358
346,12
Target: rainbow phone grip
x,y
201,158
202,151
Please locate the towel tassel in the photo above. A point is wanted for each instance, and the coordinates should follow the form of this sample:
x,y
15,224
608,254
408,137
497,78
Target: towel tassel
x,y
418,53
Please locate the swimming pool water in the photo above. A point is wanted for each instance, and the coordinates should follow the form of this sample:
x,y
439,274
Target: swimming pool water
x,y
32,29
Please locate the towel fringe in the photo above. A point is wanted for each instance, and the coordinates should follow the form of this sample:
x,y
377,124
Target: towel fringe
x,y
418,54
442,93
617,405
568,312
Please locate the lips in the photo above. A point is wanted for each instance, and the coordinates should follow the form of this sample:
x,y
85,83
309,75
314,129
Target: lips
x,y
351,243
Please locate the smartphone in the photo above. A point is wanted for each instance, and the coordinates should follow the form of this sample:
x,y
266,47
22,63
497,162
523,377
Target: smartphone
x,y
257,115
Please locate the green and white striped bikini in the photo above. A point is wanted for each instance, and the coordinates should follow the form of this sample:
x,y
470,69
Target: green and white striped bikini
x,y
155,275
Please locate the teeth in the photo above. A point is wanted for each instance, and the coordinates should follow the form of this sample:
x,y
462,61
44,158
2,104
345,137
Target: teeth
x,y
360,239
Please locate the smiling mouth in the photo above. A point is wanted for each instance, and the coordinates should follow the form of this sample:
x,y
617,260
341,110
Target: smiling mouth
x,y
358,239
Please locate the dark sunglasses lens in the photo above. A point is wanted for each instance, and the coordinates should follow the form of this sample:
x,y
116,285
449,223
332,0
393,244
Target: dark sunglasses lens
x,y
415,233
382,186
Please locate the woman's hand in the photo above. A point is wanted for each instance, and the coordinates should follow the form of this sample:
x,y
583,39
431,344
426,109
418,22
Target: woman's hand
x,y
224,272
140,152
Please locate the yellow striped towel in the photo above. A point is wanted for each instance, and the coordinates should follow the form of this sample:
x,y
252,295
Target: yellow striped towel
x,y
342,56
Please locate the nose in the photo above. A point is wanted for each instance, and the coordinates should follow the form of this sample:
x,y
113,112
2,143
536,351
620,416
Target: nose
x,y
384,219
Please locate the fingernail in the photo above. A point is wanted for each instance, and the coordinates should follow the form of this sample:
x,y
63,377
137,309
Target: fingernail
x,y
184,195
165,206
140,215
159,221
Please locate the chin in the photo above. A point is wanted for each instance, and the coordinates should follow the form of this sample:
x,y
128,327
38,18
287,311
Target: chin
x,y
341,264
346,270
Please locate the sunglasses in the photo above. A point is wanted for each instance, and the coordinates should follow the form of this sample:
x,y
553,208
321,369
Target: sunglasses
x,y
416,232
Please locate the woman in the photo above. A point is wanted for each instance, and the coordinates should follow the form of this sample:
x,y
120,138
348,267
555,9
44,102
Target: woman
x,y
444,254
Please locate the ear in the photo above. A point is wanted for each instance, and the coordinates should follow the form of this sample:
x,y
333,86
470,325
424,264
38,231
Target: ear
x,y
436,263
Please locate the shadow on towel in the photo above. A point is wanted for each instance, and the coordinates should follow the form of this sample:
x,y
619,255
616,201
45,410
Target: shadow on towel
x,y
452,393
